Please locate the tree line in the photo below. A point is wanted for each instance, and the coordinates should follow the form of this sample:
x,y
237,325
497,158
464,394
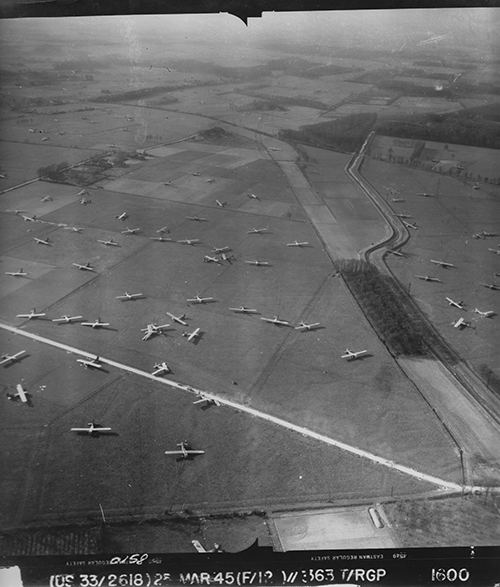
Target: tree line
x,y
398,323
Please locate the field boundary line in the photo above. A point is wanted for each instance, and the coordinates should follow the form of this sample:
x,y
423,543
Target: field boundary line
x,y
19,185
446,486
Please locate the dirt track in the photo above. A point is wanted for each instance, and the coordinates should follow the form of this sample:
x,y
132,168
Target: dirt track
x,y
475,433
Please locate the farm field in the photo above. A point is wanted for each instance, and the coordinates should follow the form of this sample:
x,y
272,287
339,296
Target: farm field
x,y
94,127
346,109
179,185
357,222
272,121
427,523
471,161
279,371
20,161
133,476
238,104
412,105
446,225
386,103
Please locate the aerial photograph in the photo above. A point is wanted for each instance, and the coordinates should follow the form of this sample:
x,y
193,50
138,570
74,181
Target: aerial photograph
x,y
250,282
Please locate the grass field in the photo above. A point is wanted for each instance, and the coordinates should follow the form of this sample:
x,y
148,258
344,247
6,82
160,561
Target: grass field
x,y
31,196
20,161
473,160
457,521
142,481
446,225
195,125
357,222
74,136
297,376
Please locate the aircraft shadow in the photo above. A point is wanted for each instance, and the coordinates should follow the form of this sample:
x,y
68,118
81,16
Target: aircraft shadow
x,y
203,303
13,398
207,406
361,358
164,333
39,319
102,369
188,458
197,340
11,363
97,434
313,329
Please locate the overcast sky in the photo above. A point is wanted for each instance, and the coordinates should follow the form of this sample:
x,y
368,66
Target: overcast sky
x,y
371,29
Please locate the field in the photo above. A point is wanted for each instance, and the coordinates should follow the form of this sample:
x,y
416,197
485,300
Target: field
x,y
133,477
94,127
439,157
20,161
427,523
412,105
280,371
446,225
188,140
299,106
357,222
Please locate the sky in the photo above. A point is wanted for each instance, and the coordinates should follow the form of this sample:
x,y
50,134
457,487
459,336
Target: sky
x,y
385,29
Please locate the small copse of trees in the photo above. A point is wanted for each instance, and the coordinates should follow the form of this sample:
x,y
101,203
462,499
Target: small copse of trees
x,y
54,172
398,323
